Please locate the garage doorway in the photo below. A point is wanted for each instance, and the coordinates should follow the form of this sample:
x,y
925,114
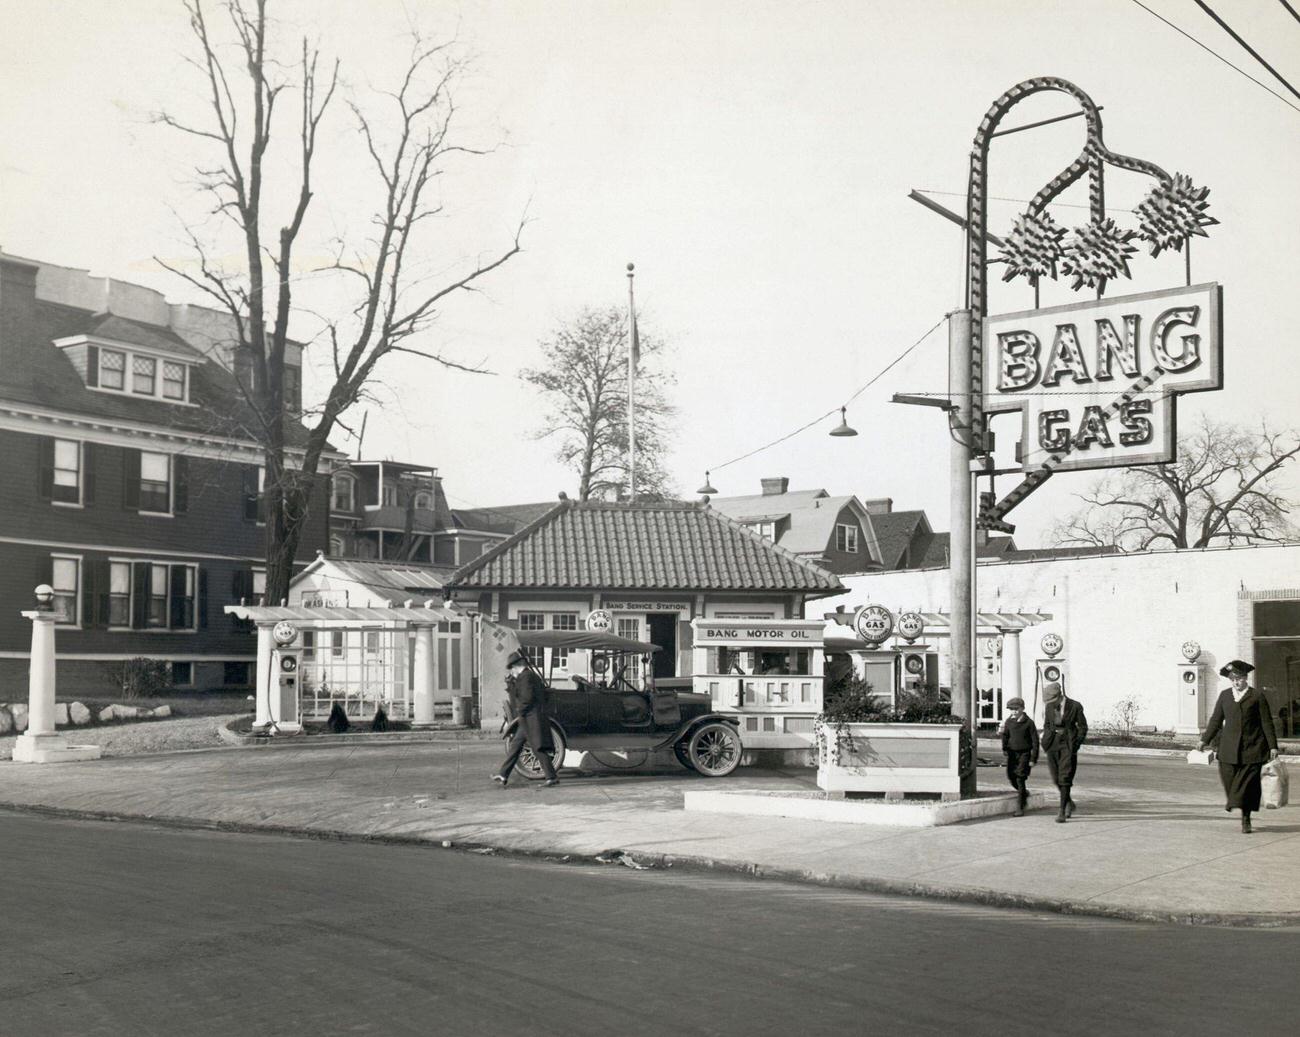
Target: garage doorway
x,y
663,632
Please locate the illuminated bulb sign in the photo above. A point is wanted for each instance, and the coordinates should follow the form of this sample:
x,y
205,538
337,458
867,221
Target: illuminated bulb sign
x,y
1097,381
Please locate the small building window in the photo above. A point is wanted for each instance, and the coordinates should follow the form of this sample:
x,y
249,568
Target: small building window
x,y
259,586
173,384
65,578
763,529
67,471
155,483
846,538
182,674
144,374
423,501
156,616
112,369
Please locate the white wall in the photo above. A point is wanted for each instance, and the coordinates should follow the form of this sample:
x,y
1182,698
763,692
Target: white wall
x,y
1123,617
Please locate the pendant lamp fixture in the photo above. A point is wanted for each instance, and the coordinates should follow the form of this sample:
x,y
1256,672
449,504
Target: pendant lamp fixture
x,y
844,428
707,488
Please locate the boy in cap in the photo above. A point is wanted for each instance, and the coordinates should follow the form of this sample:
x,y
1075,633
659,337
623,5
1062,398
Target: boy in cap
x,y
1064,729
1020,743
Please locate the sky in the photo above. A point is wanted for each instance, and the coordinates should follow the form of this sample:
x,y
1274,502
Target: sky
x,y
753,159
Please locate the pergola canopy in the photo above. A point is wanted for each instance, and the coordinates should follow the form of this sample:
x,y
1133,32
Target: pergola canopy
x,y
306,615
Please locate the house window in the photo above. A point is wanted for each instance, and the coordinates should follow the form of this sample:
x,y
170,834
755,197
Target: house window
x,y
236,675
259,586
423,501
144,374
112,369
156,610
67,471
173,381
292,388
763,529
562,621
846,538
182,674
65,578
119,594
344,493
155,483
390,495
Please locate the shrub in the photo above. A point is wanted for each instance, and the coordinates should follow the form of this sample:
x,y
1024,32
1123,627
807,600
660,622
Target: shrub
x,y
140,677
1124,717
380,723
338,720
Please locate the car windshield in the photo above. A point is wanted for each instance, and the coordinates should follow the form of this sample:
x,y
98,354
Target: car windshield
x,y
594,662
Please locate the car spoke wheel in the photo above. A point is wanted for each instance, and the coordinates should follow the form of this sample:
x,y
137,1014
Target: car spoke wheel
x,y
714,750
528,765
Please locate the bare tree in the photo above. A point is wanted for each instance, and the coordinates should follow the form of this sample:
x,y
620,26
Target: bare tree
x,y
584,384
405,139
1222,489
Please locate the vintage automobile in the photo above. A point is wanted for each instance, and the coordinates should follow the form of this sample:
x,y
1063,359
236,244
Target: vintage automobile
x,y
618,717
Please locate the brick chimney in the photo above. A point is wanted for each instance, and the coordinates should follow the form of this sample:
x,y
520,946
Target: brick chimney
x,y
879,505
17,289
774,487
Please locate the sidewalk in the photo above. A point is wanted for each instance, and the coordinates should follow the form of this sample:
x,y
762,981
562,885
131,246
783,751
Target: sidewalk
x,y
1151,840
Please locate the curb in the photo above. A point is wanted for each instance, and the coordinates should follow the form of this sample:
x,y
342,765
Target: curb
x,y
355,738
1133,750
798,876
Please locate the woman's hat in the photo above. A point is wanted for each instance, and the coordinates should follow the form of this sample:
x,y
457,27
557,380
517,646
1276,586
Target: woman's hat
x,y
1236,668
1015,703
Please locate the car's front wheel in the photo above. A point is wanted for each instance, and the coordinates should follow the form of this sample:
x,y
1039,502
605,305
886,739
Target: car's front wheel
x,y
528,765
682,751
714,750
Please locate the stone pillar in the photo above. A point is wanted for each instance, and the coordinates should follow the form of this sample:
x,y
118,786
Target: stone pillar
x,y
265,645
41,743
425,671
1011,668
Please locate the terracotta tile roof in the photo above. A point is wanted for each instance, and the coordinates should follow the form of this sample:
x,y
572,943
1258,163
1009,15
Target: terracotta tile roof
x,y
663,546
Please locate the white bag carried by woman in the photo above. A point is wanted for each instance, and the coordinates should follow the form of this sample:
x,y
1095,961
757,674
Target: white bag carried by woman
x,y
1273,784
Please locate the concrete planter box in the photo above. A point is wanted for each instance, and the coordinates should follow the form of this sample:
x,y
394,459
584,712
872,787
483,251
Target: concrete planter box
x,y
890,758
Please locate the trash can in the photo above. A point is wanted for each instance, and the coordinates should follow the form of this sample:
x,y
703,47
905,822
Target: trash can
x,y
460,710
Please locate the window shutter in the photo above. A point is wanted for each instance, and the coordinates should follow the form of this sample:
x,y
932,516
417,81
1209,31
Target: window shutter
x,y
241,590
87,473
203,598
92,366
176,597
45,468
139,592
181,487
131,479
103,586
44,570
89,590
251,503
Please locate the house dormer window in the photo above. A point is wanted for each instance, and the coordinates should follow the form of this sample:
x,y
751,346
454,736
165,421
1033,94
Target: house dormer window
x,y
424,501
144,374
846,538
173,382
112,369
131,372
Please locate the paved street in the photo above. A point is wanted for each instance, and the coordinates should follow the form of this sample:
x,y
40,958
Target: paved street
x,y
1151,840
125,928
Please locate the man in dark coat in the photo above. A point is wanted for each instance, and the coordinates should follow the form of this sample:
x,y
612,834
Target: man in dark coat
x,y
1243,723
1020,743
527,695
1064,729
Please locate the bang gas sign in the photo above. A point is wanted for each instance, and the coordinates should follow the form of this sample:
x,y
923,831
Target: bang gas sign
x,y
1097,380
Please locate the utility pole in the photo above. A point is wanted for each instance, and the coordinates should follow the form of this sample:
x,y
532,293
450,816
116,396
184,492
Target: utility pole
x,y
961,523
632,346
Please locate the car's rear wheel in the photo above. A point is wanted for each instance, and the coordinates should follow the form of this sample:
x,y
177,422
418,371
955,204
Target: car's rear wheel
x,y
528,765
683,753
714,750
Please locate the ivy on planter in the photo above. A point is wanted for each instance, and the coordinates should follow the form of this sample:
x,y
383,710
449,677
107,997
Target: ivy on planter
x,y
853,701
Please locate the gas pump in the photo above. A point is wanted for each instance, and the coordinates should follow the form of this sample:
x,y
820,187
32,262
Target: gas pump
x,y
286,688
1193,684
1052,669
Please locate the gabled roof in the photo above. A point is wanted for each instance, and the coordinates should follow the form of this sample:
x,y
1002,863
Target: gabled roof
x,y
376,582
590,545
811,514
895,531
937,550
508,519
137,333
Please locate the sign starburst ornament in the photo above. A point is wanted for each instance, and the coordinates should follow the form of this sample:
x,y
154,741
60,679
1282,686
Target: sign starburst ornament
x,y
1033,248
1098,253
1172,213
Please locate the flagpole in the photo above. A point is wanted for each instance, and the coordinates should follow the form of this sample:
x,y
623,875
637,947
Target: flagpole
x,y
631,386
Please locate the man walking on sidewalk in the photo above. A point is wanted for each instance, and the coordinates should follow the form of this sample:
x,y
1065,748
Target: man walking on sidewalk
x,y
527,694
1064,729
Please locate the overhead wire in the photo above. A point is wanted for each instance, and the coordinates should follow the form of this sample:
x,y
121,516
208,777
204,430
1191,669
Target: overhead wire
x,y
829,413
1246,46
1291,9
1210,50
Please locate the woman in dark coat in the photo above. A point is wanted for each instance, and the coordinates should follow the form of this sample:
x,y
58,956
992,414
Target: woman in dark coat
x,y
1243,723
527,694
